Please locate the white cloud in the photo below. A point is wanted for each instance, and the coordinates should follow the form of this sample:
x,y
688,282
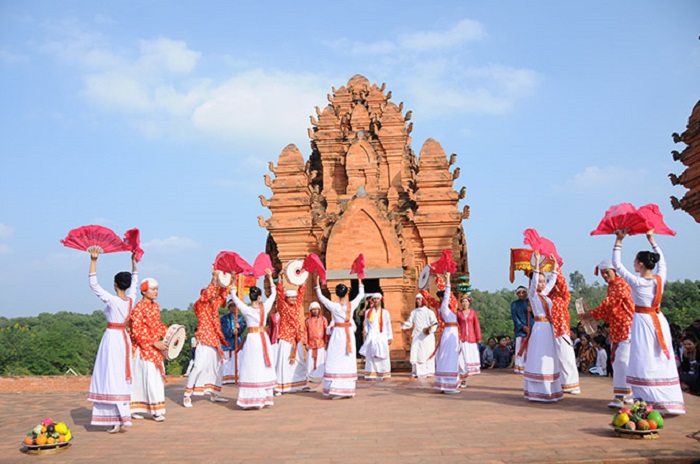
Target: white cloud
x,y
4,249
170,245
467,30
596,179
5,231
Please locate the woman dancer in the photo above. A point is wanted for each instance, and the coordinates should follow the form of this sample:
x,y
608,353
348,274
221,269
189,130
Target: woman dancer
x,y
469,337
652,370
340,376
542,369
447,359
257,377
110,387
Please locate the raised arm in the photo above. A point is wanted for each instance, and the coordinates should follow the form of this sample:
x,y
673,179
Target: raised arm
x,y
273,293
360,295
617,259
101,293
661,271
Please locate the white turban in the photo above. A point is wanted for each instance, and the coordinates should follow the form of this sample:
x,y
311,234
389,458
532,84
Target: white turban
x,y
418,295
377,295
147,283
604,264
314,305
290,293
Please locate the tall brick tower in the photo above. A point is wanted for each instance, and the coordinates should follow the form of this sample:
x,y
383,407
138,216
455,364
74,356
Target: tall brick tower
x,y
690,157
363,190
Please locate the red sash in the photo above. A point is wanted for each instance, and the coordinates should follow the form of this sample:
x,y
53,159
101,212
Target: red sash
x,y
654,311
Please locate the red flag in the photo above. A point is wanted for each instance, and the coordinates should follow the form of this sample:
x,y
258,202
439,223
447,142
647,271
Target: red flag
x,y
262,262
544,246
358,266
132,239
312,264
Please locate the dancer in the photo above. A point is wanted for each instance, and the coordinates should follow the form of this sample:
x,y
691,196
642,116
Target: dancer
x,y
290,363
316,327
617,309
424,324
561,321
378,337
521,324
110,387
447,359
542,369
651,371
205,377
469,337
233,327
257,376
147,332
341,366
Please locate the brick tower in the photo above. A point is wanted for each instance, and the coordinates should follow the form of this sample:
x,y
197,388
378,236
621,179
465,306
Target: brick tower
x,y
690,157
363,190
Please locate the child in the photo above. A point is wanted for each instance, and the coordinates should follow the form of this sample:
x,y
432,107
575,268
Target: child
x,y
601,363
502,353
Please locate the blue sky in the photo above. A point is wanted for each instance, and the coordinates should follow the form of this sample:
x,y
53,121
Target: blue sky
x,y
162,115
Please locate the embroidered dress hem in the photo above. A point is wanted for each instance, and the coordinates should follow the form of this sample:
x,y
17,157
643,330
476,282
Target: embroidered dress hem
x,y
104,414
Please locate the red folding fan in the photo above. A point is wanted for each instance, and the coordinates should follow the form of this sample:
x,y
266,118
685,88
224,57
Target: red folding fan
x,y
231,262
358,266
262,262
132,239
444,264
312,264
538,243
87,238
635,221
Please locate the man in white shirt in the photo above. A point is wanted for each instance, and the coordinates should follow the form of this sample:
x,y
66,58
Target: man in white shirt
x,y
424,323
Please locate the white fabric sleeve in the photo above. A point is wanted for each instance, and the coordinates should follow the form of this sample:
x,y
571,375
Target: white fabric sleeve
x,y
662,264
532,290
549,283
131,291
321,297
387,325
620,268
409,323
360,295
101,293
271,299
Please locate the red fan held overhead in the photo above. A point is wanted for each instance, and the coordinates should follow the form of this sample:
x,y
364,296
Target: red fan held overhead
x,y
93,237
312,264
544,246
231,262
444,264
262,263
358,266
632,220
132,239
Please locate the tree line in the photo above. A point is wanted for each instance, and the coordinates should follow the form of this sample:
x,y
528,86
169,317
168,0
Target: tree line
x,y
56,344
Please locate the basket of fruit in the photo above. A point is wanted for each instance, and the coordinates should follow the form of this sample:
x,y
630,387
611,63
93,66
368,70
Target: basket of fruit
x,y
638,421
48,437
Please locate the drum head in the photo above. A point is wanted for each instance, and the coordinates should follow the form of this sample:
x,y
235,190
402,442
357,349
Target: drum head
x,y
223,279
424,277
294,274
176,342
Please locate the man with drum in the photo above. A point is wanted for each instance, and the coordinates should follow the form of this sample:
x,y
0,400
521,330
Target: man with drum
x,y
617,309
233,326
147,331
424,324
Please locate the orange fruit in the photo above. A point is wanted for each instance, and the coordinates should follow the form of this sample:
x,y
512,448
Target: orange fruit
x,y
41,439
652,424
28,441
50,441
43,429
642,424
61,438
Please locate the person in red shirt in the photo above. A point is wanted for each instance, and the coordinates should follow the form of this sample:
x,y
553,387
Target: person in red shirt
x,y
316,339
147,332
290,364
469,336
617,309
561,321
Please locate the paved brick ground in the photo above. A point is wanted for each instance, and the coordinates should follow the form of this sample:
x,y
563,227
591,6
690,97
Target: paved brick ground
x,y
400,420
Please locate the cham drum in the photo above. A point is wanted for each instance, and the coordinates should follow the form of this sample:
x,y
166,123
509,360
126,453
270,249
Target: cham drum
x,y
174,339
581,309
294,273
523,259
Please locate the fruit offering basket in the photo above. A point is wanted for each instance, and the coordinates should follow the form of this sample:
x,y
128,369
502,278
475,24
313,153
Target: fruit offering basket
x,y
48,437
638,421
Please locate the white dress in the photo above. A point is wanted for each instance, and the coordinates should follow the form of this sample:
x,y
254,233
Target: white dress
x,y
340,376
375,349
422,345
652,376
256,380
447,362
110,387
542,363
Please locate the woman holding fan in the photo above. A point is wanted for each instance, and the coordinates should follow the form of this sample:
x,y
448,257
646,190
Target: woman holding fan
x,y
652,370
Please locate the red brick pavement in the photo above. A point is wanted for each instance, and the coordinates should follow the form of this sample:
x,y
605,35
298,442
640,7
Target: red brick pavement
x,y
399,420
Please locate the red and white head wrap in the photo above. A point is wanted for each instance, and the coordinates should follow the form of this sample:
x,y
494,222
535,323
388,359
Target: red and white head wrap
x,y
147,283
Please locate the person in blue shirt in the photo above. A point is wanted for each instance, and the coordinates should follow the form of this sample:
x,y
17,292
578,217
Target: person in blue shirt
x,y
502,354
233,326
518,312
